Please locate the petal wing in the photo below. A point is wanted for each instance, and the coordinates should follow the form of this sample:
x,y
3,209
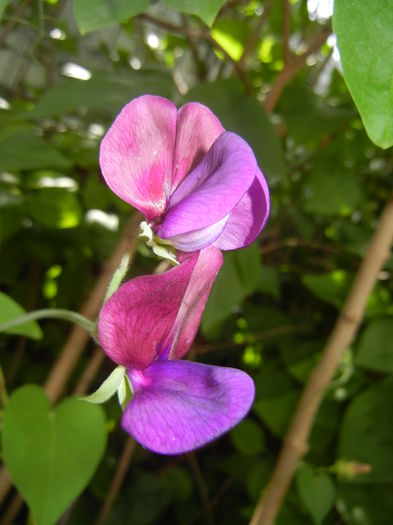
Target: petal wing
x,y
179,406
247,218
213,189
136,154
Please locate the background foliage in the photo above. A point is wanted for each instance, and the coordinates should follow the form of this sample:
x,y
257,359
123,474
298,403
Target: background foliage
x,y
66,69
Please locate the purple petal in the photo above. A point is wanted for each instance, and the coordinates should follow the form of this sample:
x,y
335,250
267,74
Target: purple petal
x,y
213,189
136,154
198,239
197,129
154,314
248,217
179,406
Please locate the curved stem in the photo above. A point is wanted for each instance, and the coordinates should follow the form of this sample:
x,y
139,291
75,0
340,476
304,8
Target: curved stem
x,y
51,313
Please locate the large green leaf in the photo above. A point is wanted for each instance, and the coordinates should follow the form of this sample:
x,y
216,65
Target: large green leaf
x,y
206,10
23,150
102,13
105,94
376,346
365,39
366,432
10,309
51,454
243,114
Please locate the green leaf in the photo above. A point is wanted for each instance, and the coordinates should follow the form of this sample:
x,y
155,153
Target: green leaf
x,y
331,287
248,437
206,10
231,35
23,150
367,504
316,491
332,189
55,208
310,117
276,412
103,13
239,277
244,115
365,40
366,432
51,454
10,309
270,283
108,388
103,93
3,5
376,346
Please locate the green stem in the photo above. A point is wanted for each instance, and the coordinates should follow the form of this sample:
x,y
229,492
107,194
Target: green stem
x,y
3,389
51,313
118,276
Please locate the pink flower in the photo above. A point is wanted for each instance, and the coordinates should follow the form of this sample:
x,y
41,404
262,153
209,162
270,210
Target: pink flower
x,y
147,326
195,183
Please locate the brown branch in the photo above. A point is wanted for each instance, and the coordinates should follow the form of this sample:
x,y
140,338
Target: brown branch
x,y
117,480
296,441
254,35
292,67
76,342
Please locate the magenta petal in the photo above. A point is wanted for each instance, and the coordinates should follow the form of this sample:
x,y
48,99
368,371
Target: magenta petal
x,y
136,154
179,406
197,129
213,189
193,301
155,314
248,217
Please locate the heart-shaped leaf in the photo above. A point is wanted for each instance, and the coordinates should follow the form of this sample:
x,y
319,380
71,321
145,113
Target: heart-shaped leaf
x,y
51,454
317,492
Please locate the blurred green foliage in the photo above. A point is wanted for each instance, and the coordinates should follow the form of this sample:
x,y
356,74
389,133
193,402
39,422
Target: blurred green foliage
x,y
66,69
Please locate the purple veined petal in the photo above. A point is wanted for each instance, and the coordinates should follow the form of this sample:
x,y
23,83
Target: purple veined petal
x,y
136,154
247,218
150,314
193,302
197,129
179,406
213,189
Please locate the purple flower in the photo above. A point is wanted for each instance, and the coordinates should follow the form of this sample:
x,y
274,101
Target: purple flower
x,y
195,183
147,326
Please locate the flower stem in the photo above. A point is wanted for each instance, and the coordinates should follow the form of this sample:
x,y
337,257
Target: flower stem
x,y
51,313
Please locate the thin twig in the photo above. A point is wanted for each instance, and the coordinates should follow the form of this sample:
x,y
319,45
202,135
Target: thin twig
x,y
252,40
201,484
293,66
214,501
204,34
117,480
296,441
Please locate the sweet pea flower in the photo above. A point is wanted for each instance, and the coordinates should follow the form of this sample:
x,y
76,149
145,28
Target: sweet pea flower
x,y
147,326
195,183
